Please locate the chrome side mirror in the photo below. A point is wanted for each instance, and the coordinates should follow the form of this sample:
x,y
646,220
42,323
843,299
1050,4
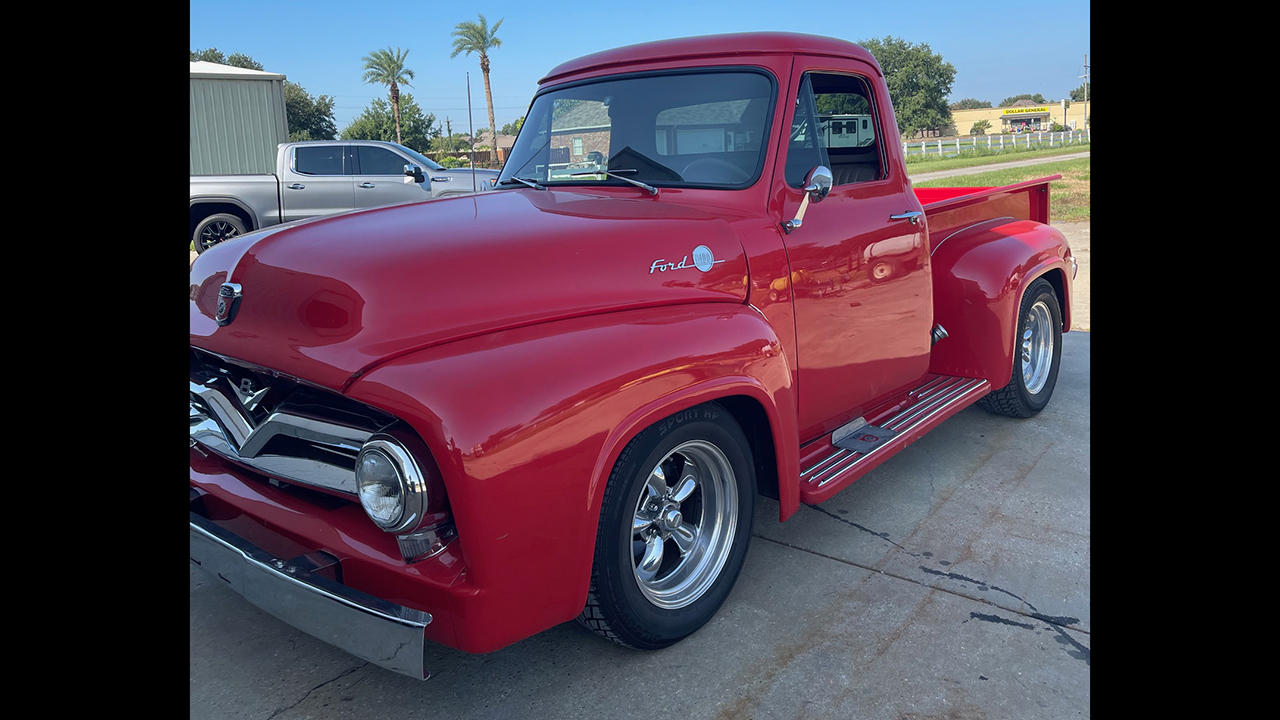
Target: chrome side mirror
x,y
415,172
817,184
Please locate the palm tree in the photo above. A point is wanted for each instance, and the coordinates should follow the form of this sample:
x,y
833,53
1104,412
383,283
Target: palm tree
x,y
384,67
479,38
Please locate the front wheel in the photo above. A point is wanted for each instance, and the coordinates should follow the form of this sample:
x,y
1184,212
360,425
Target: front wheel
x,y
1037,355
674,528
215,229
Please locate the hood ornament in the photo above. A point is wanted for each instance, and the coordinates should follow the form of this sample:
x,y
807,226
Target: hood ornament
x,y
228,303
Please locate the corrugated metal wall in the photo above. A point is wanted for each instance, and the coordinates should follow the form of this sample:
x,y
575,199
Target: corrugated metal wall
x,y
236,125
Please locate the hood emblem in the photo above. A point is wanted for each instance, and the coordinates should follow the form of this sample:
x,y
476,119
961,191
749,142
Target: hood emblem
x,y
228,303
703,259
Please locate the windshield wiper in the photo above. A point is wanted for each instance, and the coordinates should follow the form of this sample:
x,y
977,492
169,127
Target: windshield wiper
x,y
615,174
530,183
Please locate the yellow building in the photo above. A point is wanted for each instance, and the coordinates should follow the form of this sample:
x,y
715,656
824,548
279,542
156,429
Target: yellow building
x,y
1023,115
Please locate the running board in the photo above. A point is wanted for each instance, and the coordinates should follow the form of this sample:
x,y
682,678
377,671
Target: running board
x,y
855,449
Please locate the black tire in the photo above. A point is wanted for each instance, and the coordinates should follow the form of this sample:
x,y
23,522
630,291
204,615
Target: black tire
x,y
686,588
215,229
1038,341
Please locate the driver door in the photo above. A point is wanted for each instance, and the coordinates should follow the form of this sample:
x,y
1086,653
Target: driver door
x,y
859,283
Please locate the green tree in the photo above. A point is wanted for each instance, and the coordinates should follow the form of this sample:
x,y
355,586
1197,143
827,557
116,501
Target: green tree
x,y
512,128
842,104
970,104
384,67
1079,93
1036,98
479,38
214,55
919,82
379,122
309,118
980,128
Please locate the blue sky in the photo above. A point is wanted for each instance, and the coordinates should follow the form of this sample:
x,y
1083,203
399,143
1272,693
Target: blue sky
x,y
997,51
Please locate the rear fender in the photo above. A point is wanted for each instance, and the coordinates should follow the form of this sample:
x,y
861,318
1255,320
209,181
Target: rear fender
x,y
979,276
526,425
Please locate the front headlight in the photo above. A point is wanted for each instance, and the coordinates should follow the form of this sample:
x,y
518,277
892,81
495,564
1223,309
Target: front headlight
x,y
390,485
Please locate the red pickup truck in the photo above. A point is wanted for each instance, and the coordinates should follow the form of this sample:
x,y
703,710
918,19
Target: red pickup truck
x,y
467,420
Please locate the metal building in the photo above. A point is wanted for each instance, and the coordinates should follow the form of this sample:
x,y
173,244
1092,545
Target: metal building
x,y
237,119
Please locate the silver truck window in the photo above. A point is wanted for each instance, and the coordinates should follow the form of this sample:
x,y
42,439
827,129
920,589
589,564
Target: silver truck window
x,y
380,161
319,159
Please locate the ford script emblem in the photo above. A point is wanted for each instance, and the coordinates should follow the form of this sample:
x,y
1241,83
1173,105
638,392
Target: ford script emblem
x,y
702,259
228,303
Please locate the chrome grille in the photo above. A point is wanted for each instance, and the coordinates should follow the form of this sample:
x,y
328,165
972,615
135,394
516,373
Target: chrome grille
x,y
278,426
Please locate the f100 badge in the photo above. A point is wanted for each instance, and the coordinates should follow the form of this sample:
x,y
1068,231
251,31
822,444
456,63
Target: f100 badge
x,y
702,259
228,303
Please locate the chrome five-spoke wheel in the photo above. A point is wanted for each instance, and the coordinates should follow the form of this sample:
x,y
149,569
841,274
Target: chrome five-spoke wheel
x,y
675,521
684,523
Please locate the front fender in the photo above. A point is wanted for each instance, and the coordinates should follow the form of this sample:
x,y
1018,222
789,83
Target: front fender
x,y
527,423
979,276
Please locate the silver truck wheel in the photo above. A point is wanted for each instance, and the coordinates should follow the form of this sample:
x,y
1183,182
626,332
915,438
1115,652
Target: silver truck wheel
x,y
690,500
215,229
675,523
1037,355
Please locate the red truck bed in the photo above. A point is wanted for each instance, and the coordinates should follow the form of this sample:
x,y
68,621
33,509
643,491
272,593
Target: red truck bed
x,y
951,208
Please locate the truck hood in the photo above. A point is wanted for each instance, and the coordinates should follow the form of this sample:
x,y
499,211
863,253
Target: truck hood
x,y
326,299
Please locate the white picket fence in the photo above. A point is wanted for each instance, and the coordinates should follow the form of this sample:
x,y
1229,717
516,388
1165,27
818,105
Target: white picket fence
x,y
996,143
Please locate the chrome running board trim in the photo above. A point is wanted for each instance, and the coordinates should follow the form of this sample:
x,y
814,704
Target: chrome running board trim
x,y
931,398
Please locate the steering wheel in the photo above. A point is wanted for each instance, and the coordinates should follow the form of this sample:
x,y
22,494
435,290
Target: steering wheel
x,y
710,169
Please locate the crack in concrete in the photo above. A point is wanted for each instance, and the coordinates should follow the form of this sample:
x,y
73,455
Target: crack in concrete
x,y
1063,637
882,536
307,694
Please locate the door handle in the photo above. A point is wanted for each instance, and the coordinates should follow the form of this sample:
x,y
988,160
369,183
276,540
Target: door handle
x,y
297,186
366,185
913,216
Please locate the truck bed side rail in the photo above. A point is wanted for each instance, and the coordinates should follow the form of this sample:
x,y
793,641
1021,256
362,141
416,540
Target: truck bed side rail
x,y
950,209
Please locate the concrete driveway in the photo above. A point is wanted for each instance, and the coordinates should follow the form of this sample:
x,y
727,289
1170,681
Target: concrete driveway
x,y
952,581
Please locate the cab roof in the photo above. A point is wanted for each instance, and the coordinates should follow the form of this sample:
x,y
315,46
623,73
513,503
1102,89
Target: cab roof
x,y
708,46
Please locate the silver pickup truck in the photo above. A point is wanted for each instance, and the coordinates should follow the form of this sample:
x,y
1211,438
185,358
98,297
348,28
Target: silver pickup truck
x,y
320,178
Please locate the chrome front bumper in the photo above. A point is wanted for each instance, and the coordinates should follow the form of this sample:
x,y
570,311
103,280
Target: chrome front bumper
x,y
368,627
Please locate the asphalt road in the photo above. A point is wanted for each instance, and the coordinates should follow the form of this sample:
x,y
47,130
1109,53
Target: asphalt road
x,y
952,581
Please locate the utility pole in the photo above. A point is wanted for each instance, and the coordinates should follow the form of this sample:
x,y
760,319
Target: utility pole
x,y
473,135
1084,125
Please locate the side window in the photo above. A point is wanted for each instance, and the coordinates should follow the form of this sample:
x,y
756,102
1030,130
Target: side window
x,y
319,159
847,127
804,148
380,161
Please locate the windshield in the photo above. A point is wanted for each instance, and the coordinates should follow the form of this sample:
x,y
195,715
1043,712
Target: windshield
x,y
419,158
705,129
